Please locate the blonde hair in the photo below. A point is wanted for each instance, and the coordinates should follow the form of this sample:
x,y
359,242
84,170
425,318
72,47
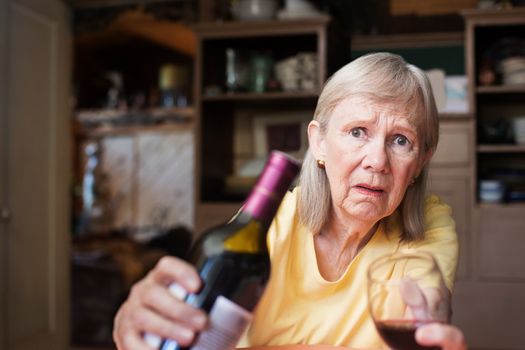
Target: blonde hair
x,y
379,77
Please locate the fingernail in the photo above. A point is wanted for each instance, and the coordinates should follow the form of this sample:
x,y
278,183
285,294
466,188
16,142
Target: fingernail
x,y
178,291
186,334
194,284
198,320
427,334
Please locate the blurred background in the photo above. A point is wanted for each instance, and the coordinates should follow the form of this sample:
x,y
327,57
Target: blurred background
x,y
127,127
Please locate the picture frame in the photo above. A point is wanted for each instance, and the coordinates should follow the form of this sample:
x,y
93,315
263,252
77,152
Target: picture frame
x,y
283,131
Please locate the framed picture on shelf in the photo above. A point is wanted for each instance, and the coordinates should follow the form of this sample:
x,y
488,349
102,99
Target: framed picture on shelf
x,y
283,131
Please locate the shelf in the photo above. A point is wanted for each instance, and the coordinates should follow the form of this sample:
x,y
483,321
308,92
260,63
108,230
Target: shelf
x,y
239,29
492,17
137,121
367,42
262,96
501,148
501,89
101,115
103,131
514,205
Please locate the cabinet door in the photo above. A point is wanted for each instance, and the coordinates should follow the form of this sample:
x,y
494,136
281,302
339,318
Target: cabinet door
x,y
500,242
150,177
490,314
35,172
489,307
455,145
455,191
449,178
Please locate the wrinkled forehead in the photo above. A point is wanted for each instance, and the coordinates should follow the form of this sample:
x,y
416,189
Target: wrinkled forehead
x,y
409,109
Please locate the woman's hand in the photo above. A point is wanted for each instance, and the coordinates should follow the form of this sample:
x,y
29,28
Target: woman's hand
x,y
297,347
432,303
446,336
151,308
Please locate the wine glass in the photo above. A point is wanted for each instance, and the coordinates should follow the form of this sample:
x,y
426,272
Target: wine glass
x,y
406,290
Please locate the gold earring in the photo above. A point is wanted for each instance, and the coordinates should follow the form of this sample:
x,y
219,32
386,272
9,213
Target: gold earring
x,y
320,164
413,180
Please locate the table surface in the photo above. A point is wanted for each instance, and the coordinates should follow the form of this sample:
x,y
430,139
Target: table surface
x,y
299,347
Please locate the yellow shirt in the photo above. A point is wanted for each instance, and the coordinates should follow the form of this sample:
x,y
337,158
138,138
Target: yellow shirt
x,y
300,307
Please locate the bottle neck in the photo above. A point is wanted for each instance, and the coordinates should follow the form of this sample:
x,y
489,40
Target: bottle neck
x,y
274,181
261,205
247,231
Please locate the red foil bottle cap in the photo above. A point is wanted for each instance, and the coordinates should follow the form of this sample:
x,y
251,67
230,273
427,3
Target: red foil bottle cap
x,y
274,181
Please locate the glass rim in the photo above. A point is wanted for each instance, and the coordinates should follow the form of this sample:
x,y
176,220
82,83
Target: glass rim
x,y
401,255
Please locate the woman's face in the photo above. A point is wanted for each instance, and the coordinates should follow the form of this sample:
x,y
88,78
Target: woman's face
x,y
372,153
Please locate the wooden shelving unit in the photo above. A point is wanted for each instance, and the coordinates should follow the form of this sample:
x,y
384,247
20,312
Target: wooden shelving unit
x,y
495,245
220,115
138,158
498,102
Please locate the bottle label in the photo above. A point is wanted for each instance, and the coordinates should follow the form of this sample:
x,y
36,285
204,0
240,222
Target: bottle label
x,y
227,322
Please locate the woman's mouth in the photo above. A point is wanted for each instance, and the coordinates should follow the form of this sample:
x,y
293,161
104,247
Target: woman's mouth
x,y
369,190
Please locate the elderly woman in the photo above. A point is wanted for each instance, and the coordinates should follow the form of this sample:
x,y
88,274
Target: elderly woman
x,y
361,195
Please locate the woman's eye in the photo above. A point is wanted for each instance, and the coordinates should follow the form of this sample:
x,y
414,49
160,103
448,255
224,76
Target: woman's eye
x,y
356,132
401,140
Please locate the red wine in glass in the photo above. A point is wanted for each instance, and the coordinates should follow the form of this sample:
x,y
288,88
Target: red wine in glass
x,y
400,334
405,291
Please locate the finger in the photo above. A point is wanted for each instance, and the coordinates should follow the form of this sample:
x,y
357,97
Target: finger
x,y
433,297
126,338
132,341
446,336
414,298
161,300
119,328
147,321
438,303
170,269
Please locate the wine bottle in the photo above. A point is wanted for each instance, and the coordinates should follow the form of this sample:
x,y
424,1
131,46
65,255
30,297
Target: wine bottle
x,y
233,262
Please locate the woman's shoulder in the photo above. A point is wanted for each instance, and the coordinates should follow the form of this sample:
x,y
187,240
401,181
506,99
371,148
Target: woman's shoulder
x,y
438,218
285,220
288,206
440,237
433,201
436,209
292,197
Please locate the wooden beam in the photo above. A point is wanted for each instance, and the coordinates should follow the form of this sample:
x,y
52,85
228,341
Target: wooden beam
x,y
135,23
114,3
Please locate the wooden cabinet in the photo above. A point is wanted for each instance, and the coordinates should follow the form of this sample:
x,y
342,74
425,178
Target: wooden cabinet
x,y
488,300
228,154
140,112
494,41
148,176
501,244
134,156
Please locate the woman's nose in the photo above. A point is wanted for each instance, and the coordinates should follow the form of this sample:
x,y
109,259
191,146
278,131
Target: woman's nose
x,y
376,157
